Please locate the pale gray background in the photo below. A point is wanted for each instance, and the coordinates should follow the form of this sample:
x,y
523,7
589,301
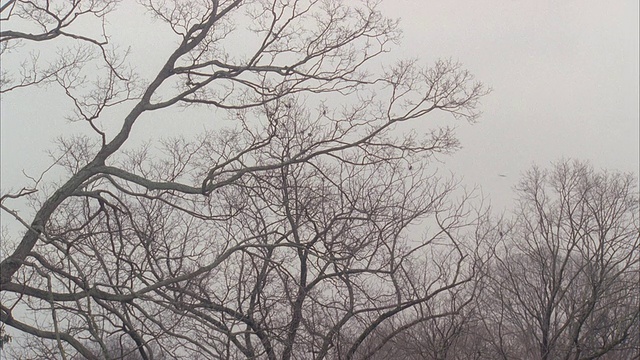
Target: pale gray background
x,y
564,76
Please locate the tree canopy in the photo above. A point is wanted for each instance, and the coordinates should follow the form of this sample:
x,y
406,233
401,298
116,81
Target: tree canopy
x,y
303,217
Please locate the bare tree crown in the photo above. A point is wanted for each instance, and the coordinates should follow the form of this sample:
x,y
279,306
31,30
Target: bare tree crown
x,y
282,235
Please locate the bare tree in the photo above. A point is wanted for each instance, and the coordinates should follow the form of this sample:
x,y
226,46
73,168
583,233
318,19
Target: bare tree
x,y
564,284
450,327
287,234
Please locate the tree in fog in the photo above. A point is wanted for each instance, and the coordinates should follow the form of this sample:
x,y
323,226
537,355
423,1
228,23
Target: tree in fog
x,y
564,282
290,232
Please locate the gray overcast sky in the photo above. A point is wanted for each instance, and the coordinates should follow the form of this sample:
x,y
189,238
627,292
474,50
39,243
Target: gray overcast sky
x,y
564,76
565,79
